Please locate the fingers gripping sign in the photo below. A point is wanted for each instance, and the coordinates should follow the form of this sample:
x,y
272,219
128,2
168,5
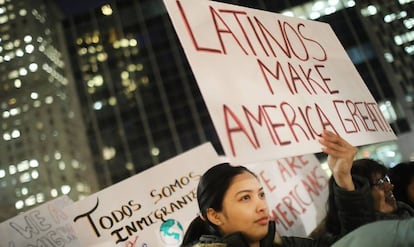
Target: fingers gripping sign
x,y
340,157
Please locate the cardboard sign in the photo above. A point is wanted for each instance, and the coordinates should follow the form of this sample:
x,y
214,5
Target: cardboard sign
x,y
272,83
151,208
296,190
46,225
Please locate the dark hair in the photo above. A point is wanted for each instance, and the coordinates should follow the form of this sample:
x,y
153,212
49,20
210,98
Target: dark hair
x,y
367,168
401,176
210,194
194,231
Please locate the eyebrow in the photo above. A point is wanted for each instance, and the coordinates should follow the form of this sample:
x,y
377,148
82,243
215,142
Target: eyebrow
x,y
249,191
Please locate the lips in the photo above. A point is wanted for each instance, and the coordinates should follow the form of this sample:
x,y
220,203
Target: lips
x,y
390,199
263,220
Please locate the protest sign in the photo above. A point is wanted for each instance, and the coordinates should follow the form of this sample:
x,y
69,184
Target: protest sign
x,y
296,191
272,83
151,208
45,225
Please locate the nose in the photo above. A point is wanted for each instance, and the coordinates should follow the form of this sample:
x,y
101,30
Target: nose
x,y
262,205
388,186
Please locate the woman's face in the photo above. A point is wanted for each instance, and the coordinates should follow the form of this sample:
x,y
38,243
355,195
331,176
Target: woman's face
x,y
384,200
245,209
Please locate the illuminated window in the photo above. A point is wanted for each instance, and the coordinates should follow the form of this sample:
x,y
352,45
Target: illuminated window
x,y
33,67
405,1
22,71
19,204
27,38
33,163
24,191
14,111
17,83
58,155
62,165
34,95
15,134
65,189
6,137
23,12
54,192
19,53
30,201
108,153
40,197
106,9
35,174
29,48
12,170
388,111
112,101
75,164
6,114
389,57
97,105
23,166
369,11
49,100
155,151
25,177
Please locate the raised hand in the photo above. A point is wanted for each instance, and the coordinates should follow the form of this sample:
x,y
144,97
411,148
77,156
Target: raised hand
x,y
340,157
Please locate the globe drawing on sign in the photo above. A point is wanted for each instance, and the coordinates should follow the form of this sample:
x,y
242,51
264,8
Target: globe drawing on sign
x,y
171,232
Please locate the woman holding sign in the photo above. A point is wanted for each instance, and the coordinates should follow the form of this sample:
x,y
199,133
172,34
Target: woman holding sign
x,y
233,208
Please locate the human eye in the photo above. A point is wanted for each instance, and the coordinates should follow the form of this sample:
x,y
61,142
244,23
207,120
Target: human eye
x,y
262,195
245,197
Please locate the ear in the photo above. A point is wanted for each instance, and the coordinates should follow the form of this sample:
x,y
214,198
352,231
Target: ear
x,y
214,217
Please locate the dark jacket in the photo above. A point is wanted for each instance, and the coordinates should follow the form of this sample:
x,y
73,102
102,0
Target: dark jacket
x,y
238,240
355,208
404,211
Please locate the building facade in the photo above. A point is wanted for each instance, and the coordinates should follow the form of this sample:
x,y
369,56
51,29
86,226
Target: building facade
x,y
141,103
43,146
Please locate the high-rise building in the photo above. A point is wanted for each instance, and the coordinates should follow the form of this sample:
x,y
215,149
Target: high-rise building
x,y
141,103
43,144
390,25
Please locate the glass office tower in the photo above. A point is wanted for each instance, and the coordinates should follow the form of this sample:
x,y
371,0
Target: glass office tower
x,y
43,146
141,103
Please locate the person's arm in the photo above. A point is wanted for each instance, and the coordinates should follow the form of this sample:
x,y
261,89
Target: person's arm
x,y
355,208
352,194
341,154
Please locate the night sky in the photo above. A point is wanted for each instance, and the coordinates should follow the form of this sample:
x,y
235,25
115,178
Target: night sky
x,y
71,7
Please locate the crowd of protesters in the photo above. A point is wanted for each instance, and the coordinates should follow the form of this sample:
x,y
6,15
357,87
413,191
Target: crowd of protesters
x,y
361,205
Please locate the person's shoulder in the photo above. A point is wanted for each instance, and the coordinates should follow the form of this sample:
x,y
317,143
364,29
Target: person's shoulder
x,y
209,245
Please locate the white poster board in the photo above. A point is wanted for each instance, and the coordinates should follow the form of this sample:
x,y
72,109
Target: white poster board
x,y
296,190
272,83
151,208
45,225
